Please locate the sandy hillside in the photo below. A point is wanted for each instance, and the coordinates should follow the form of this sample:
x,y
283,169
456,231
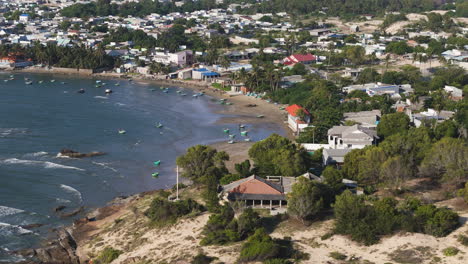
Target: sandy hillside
x,y
127,230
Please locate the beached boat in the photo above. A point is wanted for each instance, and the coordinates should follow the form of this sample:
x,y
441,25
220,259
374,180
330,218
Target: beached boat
x,y
282,108
247,140
81,91
108,91
232,136
231,141
244,133
260,116
121,131
157,163
226,131
159,125
155,174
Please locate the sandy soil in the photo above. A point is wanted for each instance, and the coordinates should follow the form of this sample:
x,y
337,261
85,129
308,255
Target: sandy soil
x,y
127,230
364,26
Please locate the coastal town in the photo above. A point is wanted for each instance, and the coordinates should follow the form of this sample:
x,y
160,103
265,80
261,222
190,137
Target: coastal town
x,y
373,167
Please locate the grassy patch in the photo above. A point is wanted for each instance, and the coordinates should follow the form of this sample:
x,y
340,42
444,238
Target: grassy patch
x,y
107,255
450,251
407,256
337,255
463,240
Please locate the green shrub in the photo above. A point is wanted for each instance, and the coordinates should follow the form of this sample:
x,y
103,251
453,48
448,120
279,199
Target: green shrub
x,y
259,247
108,255
163,212
463,240
277,261
337,255
450,251
247,222
436,221
228,178
202,259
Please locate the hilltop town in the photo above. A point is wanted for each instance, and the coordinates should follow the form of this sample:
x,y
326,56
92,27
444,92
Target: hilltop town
x,y
375,165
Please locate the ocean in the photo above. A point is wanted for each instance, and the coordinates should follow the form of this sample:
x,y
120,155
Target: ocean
x,y
40,119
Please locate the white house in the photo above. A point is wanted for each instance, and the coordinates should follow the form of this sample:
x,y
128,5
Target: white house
x,y
350,137
180,58
296,121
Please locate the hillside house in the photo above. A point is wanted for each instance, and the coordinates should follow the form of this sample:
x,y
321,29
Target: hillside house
x,y
299,58
351,137
297,121
367,119
255,191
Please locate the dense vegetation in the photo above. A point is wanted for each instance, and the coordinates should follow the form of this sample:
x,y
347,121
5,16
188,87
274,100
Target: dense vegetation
x,y
162,211
365,223
79,57
107,256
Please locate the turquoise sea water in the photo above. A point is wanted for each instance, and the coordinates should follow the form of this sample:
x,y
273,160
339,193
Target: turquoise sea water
x,y
38,120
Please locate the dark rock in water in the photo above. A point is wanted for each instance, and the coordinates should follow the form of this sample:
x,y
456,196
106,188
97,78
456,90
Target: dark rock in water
x,y
31,226
60,251
74,154
59,208
72,213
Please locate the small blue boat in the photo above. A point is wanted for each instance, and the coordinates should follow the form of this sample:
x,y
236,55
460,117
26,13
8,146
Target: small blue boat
x,y
157,163
155,175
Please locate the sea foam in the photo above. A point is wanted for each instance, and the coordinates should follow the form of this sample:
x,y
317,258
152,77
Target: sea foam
x,y
5,210
72,190
44,164
6,228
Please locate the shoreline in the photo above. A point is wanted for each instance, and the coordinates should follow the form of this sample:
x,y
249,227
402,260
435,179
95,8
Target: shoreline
x,y
237,113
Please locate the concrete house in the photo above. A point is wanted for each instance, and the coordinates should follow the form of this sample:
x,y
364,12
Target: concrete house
x,y
351,137
296,121
367,119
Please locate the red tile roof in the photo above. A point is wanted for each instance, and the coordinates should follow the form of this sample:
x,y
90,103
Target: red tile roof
x,y
295,58
256,186
293,109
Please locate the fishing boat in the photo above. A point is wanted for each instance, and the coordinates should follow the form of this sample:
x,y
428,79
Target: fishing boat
x,y
165,91
121,131
157,163
152,89
195,95
232,136
228,103
178,92
12,76
159,125
81,91
63,83
11,79
41,81
5,80
226,131
231,142
52,81
108,91
26,79
162,88
104,83
117,84
241,126
244,133
155,174
260,116
183,94
98,86
28,82
247,140
98,81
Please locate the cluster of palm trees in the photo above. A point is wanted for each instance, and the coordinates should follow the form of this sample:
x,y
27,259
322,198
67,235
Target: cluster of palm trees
x,y
260,78
77,56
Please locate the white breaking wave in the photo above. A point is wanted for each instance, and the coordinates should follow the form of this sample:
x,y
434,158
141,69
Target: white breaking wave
x,y
72,190
60,200
4,132
5,210
100,97
13,229
36,154
104,165
120,104
45,164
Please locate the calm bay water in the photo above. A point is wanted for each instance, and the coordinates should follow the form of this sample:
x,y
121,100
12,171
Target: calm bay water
x,y
38,120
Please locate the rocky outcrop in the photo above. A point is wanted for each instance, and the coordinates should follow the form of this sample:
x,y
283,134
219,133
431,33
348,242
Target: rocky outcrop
x,y
74,154
60,251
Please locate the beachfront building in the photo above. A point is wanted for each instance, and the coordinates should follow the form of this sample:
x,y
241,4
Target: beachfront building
x,y
256,192
204,74
14,62
298,118
181,58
